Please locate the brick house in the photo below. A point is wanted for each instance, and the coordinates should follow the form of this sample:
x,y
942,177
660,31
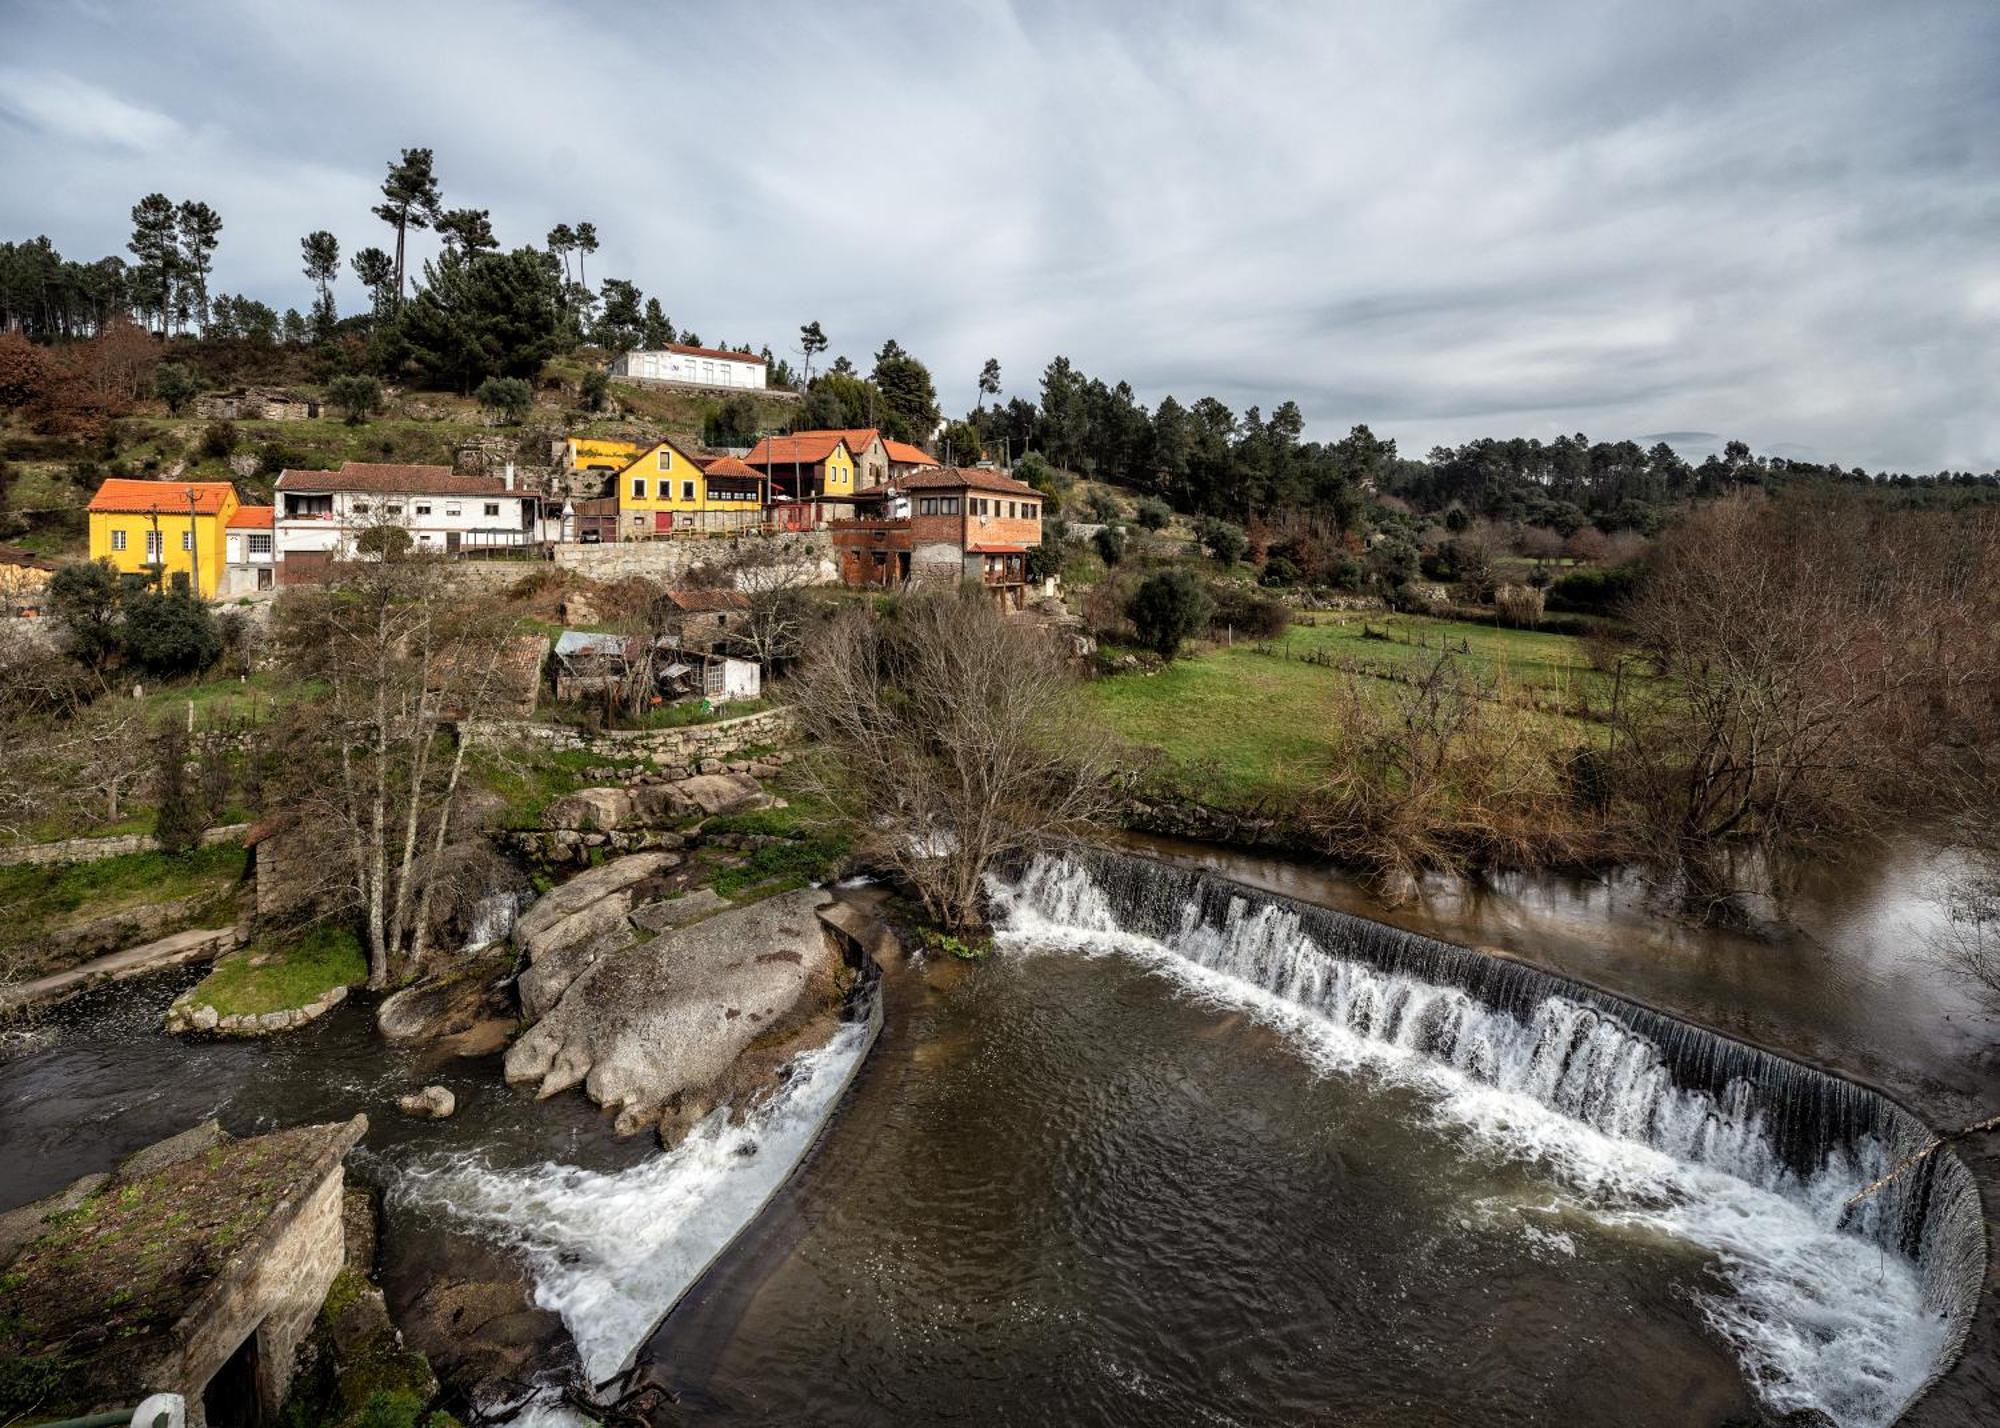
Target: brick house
x,y
942,527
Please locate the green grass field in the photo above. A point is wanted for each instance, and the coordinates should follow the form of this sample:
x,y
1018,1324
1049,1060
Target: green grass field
x,y
1242,723
40,899
282,975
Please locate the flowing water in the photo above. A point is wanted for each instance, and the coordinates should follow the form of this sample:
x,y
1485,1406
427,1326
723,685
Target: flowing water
x,y
1180,1152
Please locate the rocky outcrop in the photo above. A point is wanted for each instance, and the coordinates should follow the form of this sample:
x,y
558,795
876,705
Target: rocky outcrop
x,y
606,810
466,1005
576,923
655,1032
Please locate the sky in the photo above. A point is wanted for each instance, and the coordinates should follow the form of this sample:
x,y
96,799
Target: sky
x,y
1777,221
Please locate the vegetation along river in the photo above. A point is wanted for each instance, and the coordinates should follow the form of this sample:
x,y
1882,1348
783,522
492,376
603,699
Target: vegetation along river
x,y
1178,1152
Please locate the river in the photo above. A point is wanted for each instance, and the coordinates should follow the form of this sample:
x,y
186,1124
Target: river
x,y
1113,1177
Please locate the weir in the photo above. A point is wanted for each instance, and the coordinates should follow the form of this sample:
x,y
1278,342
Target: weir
x,y
1620,1068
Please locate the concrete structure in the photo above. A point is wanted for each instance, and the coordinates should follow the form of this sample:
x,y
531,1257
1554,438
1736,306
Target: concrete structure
x,y
250,559
175,527
945,526
321,515
812,478
693,367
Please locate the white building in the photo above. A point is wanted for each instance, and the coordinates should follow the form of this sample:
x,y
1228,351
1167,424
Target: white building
x,y
693,366
250,551
320,515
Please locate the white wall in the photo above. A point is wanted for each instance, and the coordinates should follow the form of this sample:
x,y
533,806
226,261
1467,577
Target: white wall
x,y
427,518
700,371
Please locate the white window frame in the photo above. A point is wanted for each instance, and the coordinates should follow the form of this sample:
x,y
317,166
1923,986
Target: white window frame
x,y
156,547
118,540
260,543
187,541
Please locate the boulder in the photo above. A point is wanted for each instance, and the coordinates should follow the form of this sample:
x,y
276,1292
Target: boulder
x,y
599,897
721,792
446,1003
433,1103
591,809
639,1030
679,911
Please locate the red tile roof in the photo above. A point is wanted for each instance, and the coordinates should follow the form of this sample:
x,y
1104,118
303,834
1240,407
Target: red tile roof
x,y
687,351
251,518
169,498
730,466
966,478
904,454
394,480
808,448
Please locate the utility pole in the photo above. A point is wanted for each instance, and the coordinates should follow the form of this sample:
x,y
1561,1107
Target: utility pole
x,y
194,551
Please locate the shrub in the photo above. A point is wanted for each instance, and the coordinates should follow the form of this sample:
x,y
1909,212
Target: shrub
x,y
596,387
170,632
1596,589
383,542
1155,513
510,397
1519,605
1103,506
274,457
1224,541
176,385
356,396
1053,482
1109,543
180,816
1279,571
218,440
1240,610
1169,607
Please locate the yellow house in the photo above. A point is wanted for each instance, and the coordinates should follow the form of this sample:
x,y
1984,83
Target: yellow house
x,y
178,527
665,490
811,474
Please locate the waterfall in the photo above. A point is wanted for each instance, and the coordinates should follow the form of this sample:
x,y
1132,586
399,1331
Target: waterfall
x,y
1752,1155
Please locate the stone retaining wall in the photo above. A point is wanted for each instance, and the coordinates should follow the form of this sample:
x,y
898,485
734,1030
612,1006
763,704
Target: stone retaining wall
x,y
687,748
810,551
89,850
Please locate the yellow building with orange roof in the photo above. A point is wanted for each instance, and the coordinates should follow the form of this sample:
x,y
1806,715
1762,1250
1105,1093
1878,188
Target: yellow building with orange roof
x,y
172,527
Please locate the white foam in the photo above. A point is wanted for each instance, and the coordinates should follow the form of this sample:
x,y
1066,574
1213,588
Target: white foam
x,y
1818,1318
610,1252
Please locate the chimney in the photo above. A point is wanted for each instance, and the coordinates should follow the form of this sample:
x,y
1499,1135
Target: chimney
x,y
509,477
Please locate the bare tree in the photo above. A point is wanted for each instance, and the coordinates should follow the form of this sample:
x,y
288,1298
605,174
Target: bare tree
x,y
952,731
376,764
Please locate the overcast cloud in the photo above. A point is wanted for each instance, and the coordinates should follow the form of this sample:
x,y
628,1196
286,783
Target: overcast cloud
x,y
1778,220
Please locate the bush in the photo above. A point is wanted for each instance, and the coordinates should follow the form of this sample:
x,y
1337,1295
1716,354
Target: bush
x,y
1244,612
180,814
356,397
176,385
170,632
1596,589
1155,513
1169,607
383,542
1052,482
596,387
1227,543
1102,506
1109,543
511,397
1279,571
218,440
1519,605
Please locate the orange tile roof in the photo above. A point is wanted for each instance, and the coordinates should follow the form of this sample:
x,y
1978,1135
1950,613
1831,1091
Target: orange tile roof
x,y
730,466
687,351
168,498
904,454
808,448
966,478
251,518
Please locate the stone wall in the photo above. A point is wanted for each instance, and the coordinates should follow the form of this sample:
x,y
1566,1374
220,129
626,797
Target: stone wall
x,y
89,850
669,560
687,748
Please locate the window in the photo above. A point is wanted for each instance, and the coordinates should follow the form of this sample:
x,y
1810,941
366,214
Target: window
x,y
260,544
687,490
666,461
492,508
395,510
187,540
118,540
638,488
155,546
927,506
948,506
361,508
1028,509
423,508
451,510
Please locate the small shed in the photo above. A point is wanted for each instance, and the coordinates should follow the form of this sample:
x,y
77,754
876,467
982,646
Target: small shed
x,y
588,662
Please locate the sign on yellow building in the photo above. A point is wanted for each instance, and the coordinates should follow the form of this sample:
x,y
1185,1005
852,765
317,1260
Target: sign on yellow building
x,y
175,527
